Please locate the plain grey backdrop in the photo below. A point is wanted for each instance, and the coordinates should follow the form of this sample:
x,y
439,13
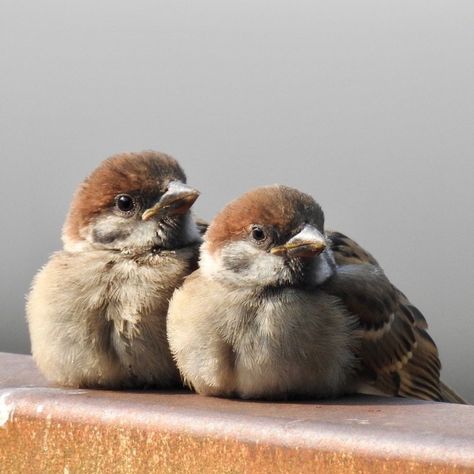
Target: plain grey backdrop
x,y
367,105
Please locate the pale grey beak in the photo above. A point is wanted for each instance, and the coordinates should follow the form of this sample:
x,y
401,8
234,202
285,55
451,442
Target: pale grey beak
x,y
177,200
309,242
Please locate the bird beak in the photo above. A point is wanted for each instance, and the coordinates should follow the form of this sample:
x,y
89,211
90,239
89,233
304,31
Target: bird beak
x,y
177,200
307,243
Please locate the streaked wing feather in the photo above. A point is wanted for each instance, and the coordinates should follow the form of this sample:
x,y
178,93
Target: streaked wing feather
x,y
346,251
397,355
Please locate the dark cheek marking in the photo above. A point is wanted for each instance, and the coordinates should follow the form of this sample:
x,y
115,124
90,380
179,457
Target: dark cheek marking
x,y
237,265
109,237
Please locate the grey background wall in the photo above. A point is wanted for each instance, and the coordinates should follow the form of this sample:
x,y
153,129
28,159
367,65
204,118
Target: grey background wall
x,y
367,105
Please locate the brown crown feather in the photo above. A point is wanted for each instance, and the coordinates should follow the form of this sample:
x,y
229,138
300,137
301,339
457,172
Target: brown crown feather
x,y
277,205
122,173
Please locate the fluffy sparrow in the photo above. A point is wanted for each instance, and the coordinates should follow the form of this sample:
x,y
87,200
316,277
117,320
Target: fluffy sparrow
x,y
97,310
280,308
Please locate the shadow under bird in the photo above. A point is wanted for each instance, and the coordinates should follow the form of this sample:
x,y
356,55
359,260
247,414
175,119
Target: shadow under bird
x,y
280,308
97,310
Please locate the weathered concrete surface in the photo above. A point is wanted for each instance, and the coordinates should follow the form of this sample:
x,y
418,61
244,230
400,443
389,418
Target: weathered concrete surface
x,y
51,429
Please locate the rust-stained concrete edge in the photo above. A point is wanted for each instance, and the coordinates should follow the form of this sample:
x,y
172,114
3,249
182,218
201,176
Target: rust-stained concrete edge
x,y
82,407
6,408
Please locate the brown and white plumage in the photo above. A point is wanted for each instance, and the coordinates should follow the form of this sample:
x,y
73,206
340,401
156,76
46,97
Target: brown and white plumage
x,y
97,310
397,354
279,308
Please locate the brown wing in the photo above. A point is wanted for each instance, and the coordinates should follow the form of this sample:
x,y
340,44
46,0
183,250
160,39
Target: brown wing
x,y
397,355
346,251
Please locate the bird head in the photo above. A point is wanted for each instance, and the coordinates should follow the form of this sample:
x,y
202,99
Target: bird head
x,y
132,201
270,236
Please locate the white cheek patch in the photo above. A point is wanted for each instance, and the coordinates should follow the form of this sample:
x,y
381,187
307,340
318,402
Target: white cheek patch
x,y
240,262
130,232
117,232
143,234
266,268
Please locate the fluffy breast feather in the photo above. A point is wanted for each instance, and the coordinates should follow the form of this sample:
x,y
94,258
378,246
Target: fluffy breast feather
x,y
99,319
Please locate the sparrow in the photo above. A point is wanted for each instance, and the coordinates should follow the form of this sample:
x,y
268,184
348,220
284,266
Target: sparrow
x,y
97,310
280,309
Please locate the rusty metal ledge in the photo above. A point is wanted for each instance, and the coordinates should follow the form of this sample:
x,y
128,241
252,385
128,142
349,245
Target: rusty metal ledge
x,y
50,429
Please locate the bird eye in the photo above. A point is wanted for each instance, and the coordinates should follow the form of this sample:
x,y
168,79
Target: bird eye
x,y
258,233
124,202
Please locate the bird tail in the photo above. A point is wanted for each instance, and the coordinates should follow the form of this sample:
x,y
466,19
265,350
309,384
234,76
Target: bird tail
x,y
449,395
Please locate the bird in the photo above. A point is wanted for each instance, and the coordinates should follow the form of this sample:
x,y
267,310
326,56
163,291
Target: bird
x,y
97,310
281,309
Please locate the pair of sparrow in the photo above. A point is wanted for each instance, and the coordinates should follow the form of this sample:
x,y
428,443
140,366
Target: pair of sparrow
x,y
270,306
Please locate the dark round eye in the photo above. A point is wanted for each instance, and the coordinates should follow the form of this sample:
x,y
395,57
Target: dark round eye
x,y
258,233
124,202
